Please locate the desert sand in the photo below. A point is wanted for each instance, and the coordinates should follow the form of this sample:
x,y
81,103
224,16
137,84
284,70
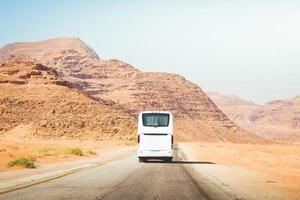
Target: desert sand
x,y
266,168
47,151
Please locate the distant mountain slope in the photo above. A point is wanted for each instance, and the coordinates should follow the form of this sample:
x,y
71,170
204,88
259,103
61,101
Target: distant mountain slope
x,y
46,49
279,120
196,116
228,100
34,96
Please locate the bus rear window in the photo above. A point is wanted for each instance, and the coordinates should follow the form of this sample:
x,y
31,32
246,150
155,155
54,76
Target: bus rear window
x,y
155,119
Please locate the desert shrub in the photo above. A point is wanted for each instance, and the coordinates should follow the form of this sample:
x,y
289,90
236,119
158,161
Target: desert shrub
x,y
131,142
61,152
43,150
27,162
90,152
75,151
2,150
46,151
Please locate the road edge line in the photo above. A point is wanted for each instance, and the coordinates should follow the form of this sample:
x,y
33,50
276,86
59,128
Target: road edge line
x,y
63,174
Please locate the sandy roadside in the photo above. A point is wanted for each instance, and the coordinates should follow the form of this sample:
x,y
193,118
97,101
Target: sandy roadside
x,y
247,171
53,160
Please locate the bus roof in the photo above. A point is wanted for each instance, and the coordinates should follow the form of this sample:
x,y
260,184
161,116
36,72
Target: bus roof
x,y
148,111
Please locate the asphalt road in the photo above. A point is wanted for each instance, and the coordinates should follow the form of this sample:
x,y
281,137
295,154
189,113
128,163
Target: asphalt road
x,y
120,179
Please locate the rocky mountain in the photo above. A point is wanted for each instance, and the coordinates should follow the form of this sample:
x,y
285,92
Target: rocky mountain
x,y
277,120
45,49
35,97
228,100
120,84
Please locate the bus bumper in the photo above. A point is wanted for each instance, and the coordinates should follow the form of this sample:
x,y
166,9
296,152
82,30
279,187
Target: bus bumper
x,y
155,153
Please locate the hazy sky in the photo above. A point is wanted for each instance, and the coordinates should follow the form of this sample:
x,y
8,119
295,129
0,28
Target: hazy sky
x,y
242,47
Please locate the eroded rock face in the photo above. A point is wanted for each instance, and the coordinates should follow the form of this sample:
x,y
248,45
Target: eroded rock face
x,y
22,72
33,94
120,84
277,120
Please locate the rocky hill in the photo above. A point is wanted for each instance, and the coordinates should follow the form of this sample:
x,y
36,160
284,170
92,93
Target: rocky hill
x,y
45,49
34,96
277,120
118,83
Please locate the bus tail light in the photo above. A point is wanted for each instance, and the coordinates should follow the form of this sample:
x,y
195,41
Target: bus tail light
x,y
172,139
138,138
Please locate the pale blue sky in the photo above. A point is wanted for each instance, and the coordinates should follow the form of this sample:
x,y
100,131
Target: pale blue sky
x,y
247,48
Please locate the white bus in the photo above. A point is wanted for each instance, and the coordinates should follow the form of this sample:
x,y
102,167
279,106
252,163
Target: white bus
x,y
155,136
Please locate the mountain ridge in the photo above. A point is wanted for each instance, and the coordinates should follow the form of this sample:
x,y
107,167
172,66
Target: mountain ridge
x,y
18,49
276,120
120,83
